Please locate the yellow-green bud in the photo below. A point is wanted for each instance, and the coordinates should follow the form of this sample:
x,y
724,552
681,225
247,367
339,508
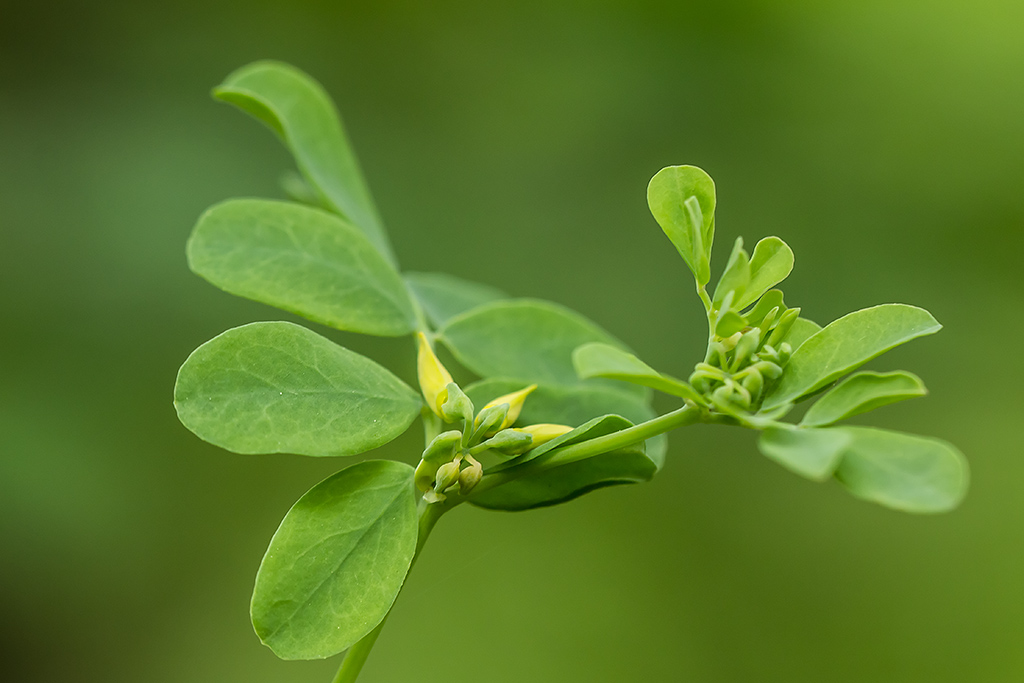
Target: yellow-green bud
x,y
456,405
542,433
471,476
508,441
433,376
515,405
753,382
783,327
447,475
487,422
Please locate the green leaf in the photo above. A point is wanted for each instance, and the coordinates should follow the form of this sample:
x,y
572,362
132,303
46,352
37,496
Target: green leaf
x,y
564,483
771,299
845,345
303,260
770,264
526,340
574,406
298,109
802,330
690,226
279,388
862,392
735,277
601,360
337,562
444,296
812,453
729,324
902,471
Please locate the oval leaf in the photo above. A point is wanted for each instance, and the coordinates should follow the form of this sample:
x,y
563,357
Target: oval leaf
x,y
902,471
526,340
770,264
601,360
444,296
845,345
280,388
337,562
690,228
302,260
863,392
802,330
298,109
812,453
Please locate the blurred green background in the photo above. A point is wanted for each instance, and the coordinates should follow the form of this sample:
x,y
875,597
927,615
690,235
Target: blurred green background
x,y
511,143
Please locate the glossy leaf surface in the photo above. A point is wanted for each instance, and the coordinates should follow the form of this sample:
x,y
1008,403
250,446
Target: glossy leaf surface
x,y
812,453
602,360
692,232
337,562
903,471
862,392
846,344
525,339
302,260
444,296
276,387
770,264
298,109
802,330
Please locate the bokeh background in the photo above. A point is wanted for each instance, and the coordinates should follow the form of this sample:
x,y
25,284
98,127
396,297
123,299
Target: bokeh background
x,y
511,143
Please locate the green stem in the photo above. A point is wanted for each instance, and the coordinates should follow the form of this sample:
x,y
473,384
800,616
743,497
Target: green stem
x,y
557,457
356,656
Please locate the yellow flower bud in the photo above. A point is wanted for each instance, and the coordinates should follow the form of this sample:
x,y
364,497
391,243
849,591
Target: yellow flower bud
x,y
471,476
542,433
433,376
515,402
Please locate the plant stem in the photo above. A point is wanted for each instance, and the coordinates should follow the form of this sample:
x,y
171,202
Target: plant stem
x,y
557,457
356,656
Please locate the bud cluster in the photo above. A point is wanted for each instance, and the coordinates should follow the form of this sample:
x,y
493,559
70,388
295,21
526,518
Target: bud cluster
x,y
448,460
739,367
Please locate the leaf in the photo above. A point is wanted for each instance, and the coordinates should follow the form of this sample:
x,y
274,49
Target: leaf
x,y
444,296
771,299
601,360
735,277
690,228
279,388
564,483
298,109
303,260
862,392
802,330
526,340
574,406
337,562
845,345
770,264
729,324
902,471
812,453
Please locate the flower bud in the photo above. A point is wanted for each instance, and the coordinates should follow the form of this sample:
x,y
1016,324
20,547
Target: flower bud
x,y
753,382
542,433
456,405
508,441
434,378
487,422
515,405
745,348
470,477
783,327
447,475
